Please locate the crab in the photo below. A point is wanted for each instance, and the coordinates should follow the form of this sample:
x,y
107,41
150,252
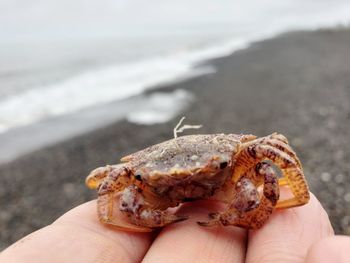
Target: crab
x,y
239,170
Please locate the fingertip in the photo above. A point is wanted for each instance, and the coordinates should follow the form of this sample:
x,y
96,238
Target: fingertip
x,y
305,219
331,249
85,215
289,233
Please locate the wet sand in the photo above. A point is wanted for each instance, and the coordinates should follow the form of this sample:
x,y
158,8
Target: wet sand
x,y
297,84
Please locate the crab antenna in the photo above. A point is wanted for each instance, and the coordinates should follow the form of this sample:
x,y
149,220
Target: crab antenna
x,y
177,126
179,129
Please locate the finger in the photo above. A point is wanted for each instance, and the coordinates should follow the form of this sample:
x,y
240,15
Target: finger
x,y
332,249
289,233
78,236
188,242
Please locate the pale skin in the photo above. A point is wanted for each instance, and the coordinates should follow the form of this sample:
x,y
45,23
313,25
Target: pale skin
x,y
301,234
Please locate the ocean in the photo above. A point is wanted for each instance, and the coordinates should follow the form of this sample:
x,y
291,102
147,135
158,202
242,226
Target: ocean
x,y
67,67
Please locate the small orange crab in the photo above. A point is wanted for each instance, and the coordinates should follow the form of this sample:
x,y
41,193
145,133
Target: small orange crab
x,y
136,194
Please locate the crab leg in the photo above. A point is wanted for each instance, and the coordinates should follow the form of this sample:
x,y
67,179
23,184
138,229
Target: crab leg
x,y
96,176
247,209
283,181
250,154
281,143
284,148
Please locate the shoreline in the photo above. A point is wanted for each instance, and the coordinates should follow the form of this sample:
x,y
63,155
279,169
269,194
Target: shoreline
x,y
296,83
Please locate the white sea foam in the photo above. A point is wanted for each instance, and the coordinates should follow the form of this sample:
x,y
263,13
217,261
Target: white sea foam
x,y
160,107
106,85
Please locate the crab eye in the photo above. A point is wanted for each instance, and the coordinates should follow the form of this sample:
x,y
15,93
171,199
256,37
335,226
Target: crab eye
x,y
138,177
223,165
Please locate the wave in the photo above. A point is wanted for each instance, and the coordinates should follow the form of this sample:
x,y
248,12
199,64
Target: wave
x,y
108,84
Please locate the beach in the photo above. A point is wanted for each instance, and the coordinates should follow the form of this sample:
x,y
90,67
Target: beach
x,y
297,84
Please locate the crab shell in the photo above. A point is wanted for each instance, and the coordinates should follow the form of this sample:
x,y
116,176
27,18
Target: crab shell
x,y
191,165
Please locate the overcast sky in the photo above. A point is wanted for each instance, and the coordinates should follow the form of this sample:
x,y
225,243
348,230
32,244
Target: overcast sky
x,y
83,18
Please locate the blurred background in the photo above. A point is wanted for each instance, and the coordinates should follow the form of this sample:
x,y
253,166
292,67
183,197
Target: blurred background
x,y
83,83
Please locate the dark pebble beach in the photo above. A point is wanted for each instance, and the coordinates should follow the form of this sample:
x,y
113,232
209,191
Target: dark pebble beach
x,y
297,84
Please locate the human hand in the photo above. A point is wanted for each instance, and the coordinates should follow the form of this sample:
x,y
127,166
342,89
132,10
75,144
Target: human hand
x,y
302,234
